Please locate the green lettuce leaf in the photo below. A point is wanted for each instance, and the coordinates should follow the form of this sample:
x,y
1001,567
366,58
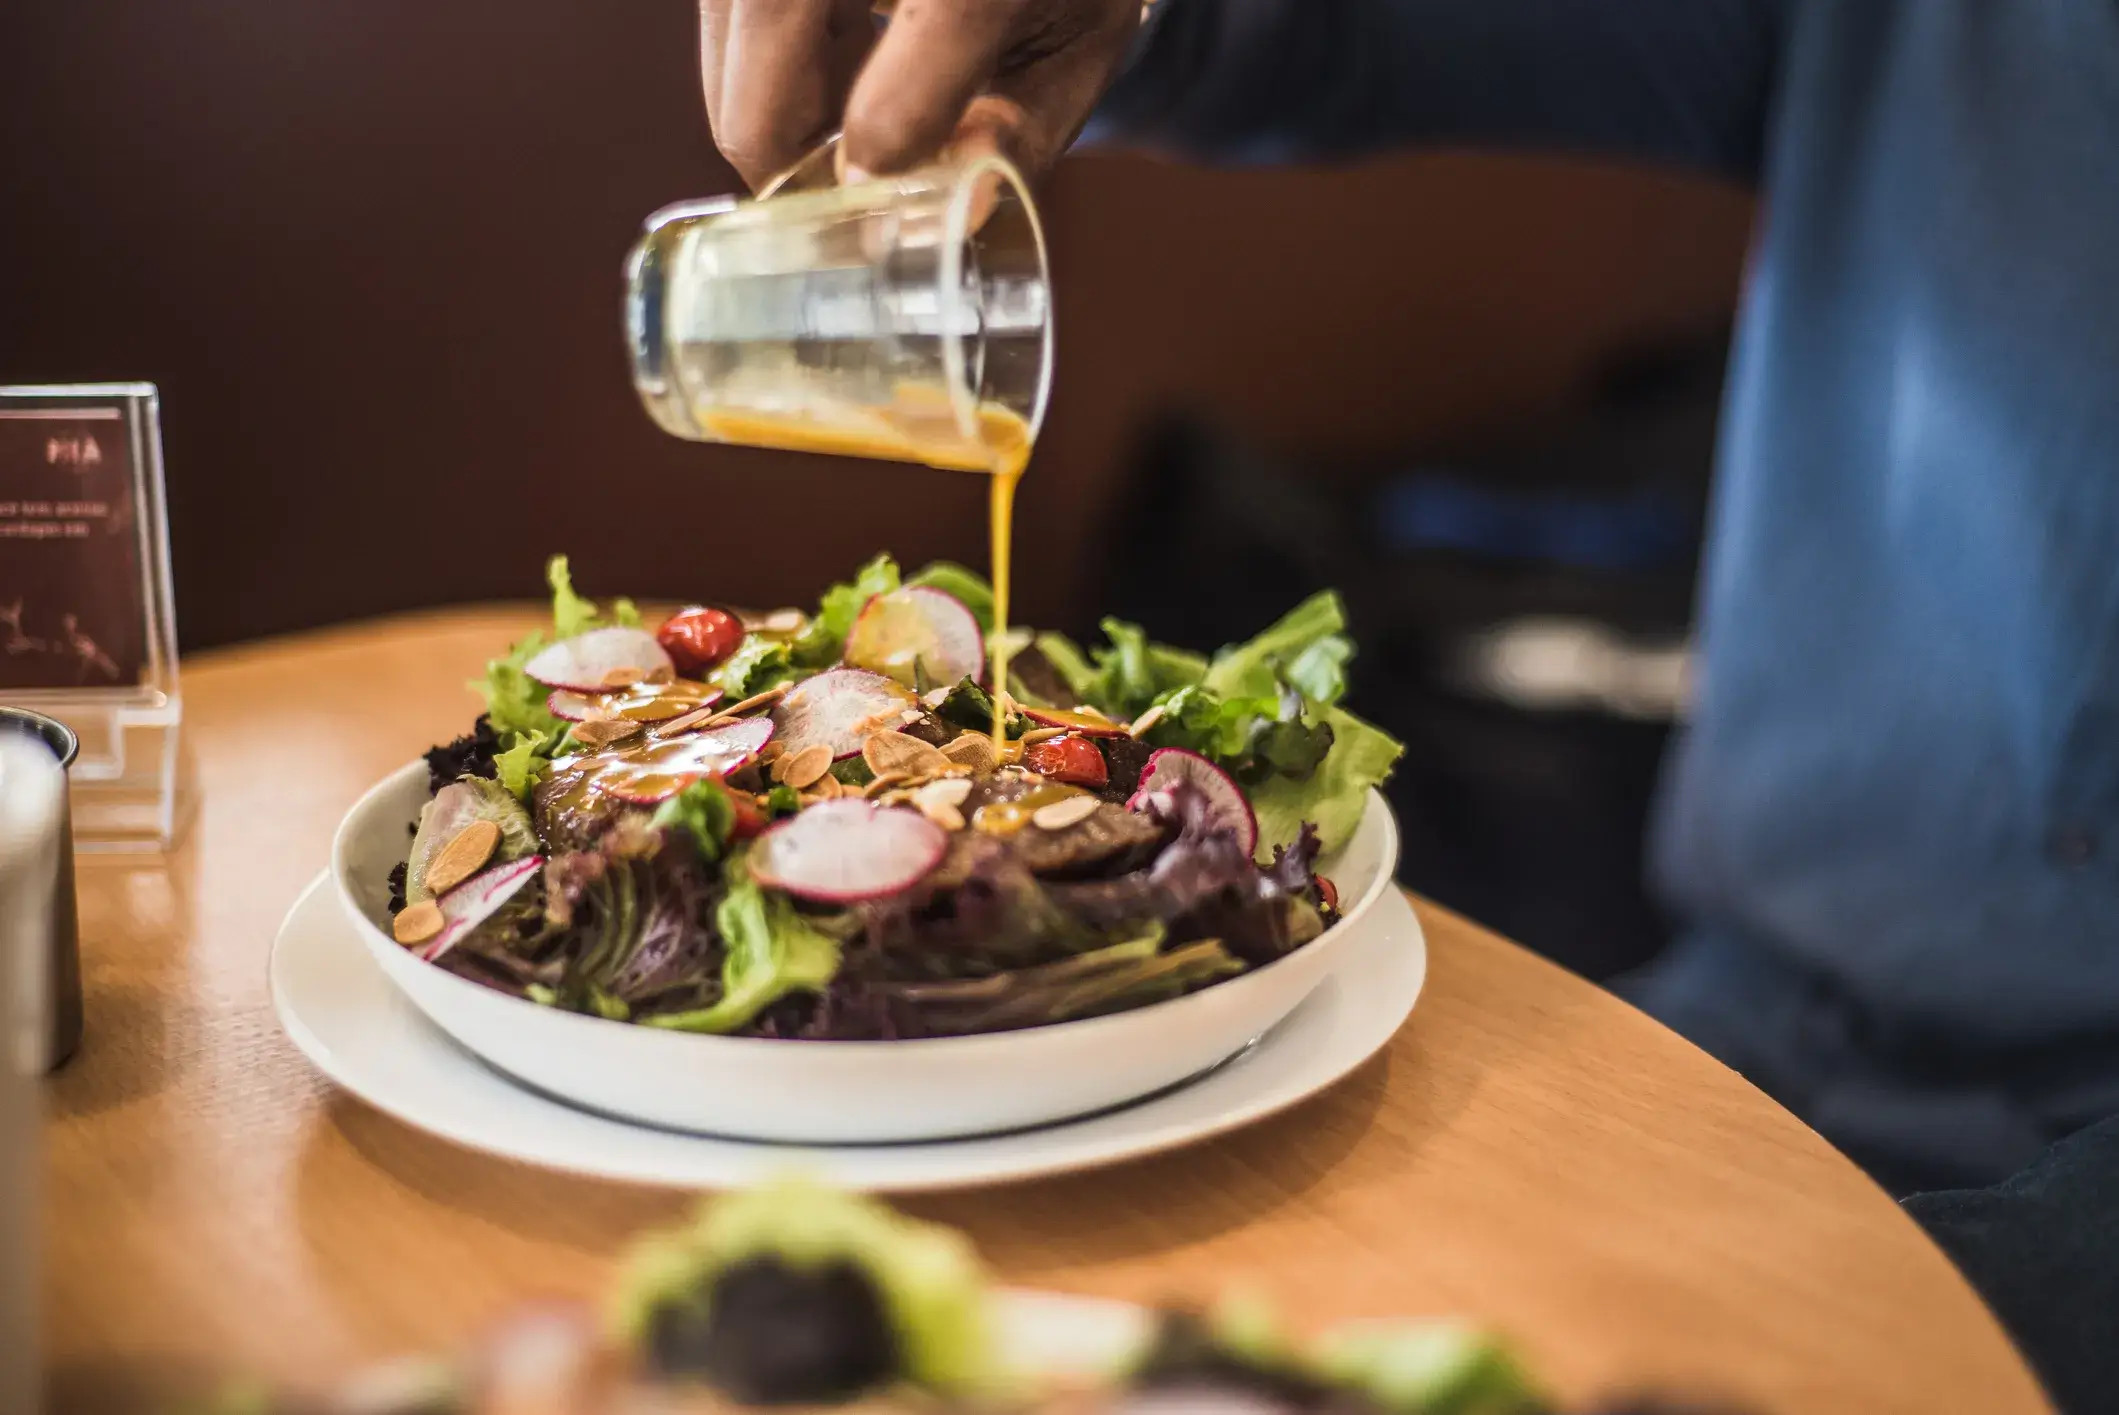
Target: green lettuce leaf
x,y
1251,738
974,589
820,644
1307,647
571,614
771,951
1130,672
703,813
1429,1369
933,1287
759,662
514,704
524,763
1202,721
970,707
1068,660
1334,796
1318,672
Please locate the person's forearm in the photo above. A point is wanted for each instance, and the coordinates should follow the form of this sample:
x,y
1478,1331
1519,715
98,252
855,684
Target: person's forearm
x,y
1681,81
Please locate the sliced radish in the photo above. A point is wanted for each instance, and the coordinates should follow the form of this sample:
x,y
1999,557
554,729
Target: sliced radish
x,y
915,631
643,702
455,806
840,852
583,662
1089,724
1168,766
833,708
476,900
570,706
658,771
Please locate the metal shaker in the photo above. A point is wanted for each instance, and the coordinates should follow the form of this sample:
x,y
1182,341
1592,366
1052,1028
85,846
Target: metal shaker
x,y
33,847
57,948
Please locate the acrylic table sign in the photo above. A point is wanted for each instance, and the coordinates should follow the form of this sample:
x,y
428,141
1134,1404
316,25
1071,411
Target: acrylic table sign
x,y
87,630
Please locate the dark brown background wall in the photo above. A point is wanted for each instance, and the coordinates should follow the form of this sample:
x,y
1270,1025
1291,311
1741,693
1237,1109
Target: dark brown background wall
x,y
370,249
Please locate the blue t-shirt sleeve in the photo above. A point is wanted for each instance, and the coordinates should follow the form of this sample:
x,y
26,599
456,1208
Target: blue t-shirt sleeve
x,y
1678,81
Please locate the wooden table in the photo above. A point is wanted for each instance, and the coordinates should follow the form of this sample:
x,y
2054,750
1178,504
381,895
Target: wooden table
x,y
1529,1152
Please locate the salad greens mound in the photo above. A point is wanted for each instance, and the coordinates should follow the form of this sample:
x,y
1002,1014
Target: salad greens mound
x,y
797,1296
926,1292
1148,822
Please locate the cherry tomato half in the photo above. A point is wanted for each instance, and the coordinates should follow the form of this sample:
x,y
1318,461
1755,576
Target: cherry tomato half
x,y
1329,892
698,638
1074,760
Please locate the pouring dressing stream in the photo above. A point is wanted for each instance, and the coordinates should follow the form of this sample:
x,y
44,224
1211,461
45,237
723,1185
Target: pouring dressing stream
x,y
903,319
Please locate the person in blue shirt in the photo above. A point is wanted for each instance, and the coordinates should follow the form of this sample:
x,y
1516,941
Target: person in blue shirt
x,y
1891,831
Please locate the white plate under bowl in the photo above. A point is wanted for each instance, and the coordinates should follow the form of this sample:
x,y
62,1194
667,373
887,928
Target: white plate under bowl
x,y
359,1030
843,1092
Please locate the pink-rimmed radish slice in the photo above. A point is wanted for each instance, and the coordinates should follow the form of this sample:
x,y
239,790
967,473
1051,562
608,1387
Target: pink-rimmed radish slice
x,y
835,709
841,852
643,702
570,706
583,662
1089,724
1167,766
476,900
914,631
646,775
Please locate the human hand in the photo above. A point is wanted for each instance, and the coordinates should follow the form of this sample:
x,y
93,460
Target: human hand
x,y
1018,75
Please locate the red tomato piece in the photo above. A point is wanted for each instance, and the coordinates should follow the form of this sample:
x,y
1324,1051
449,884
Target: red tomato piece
x,y
1329,892
1074,760
698,638
749,819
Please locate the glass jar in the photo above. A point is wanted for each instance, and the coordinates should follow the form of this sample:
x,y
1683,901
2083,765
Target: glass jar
x,y
906,317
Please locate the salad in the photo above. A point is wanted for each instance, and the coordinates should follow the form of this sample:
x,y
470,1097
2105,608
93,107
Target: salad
x,y
797,1296
837,825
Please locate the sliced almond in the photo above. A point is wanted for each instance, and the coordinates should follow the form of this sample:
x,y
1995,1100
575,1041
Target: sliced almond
x,y
417,924
830,787
911,715
464,856
757,700
1041,734
884,782
621,678
884,721
949,791
801,769
784,621
1061,814
974,750
893,751
935,697
601,732
946,816
1145,721
675,726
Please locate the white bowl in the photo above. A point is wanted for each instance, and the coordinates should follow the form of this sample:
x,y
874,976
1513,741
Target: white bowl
x,y
841,1092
